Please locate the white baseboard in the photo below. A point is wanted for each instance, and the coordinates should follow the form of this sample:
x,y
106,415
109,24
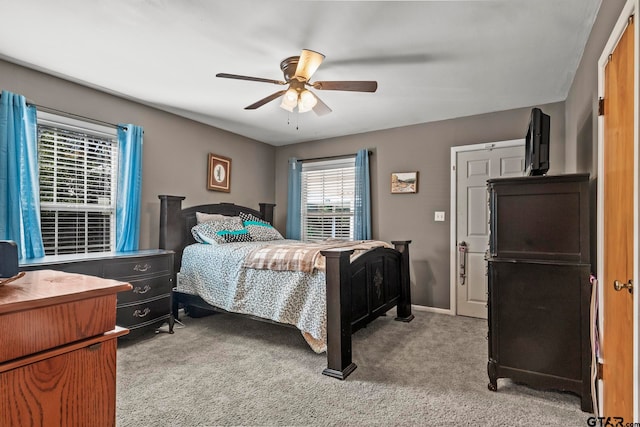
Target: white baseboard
x,y
432,309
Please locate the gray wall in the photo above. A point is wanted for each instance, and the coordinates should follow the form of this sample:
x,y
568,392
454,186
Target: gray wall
x,y
582,109
582,101
427,149
175,149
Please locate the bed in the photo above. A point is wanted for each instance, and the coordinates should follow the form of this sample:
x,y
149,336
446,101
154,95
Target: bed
x,y
349,291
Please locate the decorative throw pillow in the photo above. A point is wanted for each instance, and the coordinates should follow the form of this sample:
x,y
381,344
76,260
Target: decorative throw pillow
x,y
206,217
226,231
260,230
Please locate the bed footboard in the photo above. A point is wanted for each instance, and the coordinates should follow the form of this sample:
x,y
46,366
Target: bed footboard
x,y
359,292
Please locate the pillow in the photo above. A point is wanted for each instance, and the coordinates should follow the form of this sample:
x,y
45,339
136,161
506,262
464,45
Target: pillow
x,y
260,230
227,231
205,217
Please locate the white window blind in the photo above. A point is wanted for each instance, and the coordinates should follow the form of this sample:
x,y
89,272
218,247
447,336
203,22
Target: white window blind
x,y
328,199
78,169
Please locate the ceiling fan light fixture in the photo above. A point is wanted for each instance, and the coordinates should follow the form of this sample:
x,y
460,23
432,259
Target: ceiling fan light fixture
x,y
286,106
291,95
289,100
308,63
307,101
302,108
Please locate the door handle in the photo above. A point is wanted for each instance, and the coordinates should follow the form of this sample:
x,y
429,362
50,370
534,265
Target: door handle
x,y
618,285
462,251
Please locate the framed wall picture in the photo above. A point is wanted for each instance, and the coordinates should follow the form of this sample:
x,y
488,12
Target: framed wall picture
x,y
404,182
219,173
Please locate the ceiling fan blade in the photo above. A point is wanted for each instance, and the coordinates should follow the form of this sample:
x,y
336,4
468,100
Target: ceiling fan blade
x,y
308,64
354,86
265,100
252,79
320,108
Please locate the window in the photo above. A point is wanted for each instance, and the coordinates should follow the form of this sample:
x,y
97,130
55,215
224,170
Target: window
x,y
78,171
328,199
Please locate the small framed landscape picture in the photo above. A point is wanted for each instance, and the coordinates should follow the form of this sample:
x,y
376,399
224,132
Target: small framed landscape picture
x,y
219,173
404,182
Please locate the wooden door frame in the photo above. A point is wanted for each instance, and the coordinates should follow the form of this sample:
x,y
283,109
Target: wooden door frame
x,y
631,7
453,215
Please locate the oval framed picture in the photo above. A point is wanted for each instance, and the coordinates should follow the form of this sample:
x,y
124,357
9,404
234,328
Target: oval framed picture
x,y
219,173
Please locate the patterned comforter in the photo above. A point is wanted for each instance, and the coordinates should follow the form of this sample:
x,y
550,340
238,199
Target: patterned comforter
x,y
216,274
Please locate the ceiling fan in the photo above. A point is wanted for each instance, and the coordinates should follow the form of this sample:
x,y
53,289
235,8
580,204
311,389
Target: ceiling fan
x,y
297,72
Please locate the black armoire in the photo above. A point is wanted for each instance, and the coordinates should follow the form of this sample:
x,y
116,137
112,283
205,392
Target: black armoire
x,y
539,289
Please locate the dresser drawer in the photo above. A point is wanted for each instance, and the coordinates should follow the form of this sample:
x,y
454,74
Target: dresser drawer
x,y
146,289
31,331
145,312
79,267
138,267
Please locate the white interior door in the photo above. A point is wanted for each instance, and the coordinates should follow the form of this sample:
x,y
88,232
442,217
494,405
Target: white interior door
x,y
474,166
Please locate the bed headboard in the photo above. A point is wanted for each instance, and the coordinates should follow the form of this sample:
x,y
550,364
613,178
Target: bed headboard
x,y
176,223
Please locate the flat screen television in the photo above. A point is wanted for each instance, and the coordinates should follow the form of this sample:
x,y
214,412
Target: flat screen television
x,y
536,159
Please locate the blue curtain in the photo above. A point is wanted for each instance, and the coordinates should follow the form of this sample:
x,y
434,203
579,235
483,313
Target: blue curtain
x,y
129,187
362,211
19,178
294,199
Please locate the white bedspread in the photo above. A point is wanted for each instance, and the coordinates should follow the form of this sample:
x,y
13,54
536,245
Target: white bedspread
x,y
215,273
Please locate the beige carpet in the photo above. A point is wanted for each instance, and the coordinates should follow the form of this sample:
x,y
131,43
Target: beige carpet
x,y
228,370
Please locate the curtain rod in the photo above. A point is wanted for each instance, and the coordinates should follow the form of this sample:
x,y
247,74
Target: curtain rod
x,y
343,156
74,116
71,115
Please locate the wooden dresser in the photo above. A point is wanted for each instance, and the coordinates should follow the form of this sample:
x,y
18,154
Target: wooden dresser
x,y
539,289
150,272
58,350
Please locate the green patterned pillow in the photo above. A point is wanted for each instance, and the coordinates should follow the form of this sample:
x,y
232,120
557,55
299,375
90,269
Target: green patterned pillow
x,y
226,231
260,230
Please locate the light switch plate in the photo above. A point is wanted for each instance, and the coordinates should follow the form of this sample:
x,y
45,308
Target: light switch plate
x,y
439,216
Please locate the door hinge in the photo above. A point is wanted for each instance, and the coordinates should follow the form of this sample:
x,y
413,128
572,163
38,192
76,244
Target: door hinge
x,y
599,371
601,107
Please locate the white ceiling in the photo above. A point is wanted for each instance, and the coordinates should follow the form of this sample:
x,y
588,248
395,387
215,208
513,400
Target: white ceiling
x,y
433,60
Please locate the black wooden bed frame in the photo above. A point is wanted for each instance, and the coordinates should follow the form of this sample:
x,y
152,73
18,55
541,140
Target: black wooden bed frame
x,y
357,292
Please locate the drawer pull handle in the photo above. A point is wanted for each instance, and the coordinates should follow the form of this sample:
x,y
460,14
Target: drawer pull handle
x,y
139,290
141,313
142,268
